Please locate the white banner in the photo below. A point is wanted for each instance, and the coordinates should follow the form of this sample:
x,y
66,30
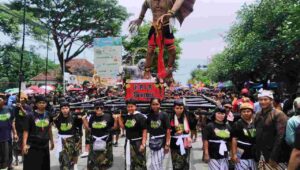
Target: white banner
x,y
70,79
108,57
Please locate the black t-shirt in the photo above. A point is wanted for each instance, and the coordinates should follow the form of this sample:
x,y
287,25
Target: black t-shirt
x,y
134,125
179,127
38,126
20,117
193,121
6,119
246,133
101,125
78,116
215,131
67,125
157,124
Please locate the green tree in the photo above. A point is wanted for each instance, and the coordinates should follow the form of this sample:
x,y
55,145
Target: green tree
x,y
141,41
199,75
74,23
263,45
10,62
11,25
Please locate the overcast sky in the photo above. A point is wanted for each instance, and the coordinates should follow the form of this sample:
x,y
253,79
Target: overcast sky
x,y
202,31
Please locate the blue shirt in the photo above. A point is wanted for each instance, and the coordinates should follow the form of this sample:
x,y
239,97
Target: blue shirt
x,y
6,119
257,107
291,126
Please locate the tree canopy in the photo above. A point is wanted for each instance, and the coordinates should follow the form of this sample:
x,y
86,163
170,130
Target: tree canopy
x,y
199,75
74,24
10,62
263,45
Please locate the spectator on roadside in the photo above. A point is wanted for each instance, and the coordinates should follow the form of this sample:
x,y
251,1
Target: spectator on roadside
x,y
229,115
244,99
270,128
293,123
294,162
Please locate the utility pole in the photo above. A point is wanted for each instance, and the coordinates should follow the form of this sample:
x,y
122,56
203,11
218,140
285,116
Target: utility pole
x,y
21,75
64,67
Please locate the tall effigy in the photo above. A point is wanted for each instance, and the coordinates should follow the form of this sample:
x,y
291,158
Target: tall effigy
x,y
161,35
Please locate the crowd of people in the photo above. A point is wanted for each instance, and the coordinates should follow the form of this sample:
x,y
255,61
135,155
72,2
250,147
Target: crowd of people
x,y
241,133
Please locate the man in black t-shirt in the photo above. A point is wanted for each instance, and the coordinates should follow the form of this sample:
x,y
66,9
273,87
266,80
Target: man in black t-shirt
x,y
20,111
100,126
68,137
136,136
36,137
6,130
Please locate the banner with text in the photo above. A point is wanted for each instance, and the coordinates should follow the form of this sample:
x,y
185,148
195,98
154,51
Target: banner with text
x,y
108,58
143,91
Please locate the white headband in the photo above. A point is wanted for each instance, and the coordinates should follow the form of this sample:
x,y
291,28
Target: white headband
x,y
265,93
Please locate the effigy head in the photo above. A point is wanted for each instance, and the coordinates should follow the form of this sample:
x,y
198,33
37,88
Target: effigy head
x,y
141,64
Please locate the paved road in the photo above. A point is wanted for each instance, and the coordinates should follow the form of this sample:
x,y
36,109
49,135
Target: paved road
x,y
196,155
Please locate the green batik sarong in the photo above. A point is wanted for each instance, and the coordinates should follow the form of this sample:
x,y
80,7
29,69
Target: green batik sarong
x,y
70,150
180,162
138,159
100,160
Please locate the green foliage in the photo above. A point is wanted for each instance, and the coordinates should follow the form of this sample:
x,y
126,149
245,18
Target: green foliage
x,y
9,66
8,25
11,25
141,41
263,44
76,22
199,75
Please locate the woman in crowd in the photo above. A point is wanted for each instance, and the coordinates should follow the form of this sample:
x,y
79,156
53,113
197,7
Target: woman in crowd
x,y
243,139
135,124
158,125
100,126
180,138
216,138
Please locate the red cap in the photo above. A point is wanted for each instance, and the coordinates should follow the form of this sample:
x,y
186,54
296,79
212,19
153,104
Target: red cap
x,y
244,91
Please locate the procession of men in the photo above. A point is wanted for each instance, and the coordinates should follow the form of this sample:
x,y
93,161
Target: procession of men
x,y
244,141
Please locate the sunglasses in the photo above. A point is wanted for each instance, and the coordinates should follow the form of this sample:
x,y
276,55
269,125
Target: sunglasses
x,y
221,113
228,107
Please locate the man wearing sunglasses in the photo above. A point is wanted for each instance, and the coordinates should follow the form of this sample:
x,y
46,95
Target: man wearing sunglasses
x,y
227,104
100,125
